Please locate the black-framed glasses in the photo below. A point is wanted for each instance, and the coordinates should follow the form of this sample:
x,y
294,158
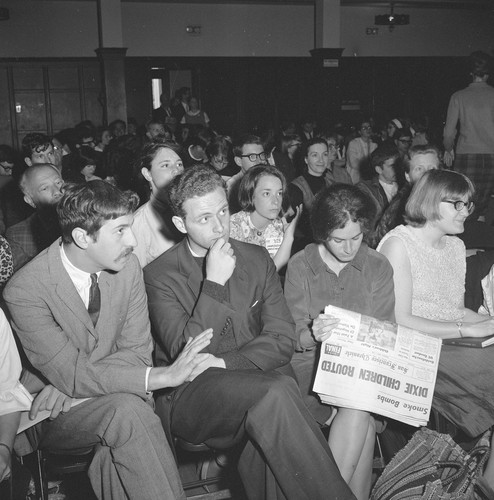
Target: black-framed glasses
x,y
255,156
460,205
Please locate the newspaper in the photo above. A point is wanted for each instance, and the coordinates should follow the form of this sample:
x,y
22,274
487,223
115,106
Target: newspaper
x,y
26,422
378,366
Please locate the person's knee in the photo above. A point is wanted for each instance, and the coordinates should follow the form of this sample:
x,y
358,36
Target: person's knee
x,y
357,419
280,388
126,403
126,414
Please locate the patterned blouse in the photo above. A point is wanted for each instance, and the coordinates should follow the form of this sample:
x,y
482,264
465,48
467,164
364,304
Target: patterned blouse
x,y
242,229
6,262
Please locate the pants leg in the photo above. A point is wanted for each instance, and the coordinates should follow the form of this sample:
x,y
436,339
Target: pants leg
x,y
132,456
286,456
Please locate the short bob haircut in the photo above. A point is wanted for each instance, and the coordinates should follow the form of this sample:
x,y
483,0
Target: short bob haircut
x,y
334,206
430,190
312,142
249,183
149,152
195,181
89,205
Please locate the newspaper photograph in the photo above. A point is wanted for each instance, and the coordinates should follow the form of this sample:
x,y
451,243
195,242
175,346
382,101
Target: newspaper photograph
x,y
378,366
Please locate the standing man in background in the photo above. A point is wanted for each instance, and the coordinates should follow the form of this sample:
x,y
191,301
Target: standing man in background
x,y
473,109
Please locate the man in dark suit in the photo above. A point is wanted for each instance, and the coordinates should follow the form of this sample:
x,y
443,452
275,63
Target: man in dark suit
x,y
242,392
383,186
80,311
42,187
164,111
180,105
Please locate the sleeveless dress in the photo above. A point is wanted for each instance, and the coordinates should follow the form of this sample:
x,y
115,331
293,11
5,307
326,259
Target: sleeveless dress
x,y
438,275
464,392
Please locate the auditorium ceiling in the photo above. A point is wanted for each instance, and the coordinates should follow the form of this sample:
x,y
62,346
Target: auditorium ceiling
x,y
434,4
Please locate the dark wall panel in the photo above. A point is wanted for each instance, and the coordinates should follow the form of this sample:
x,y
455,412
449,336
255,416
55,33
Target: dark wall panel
x,y
5,110
239,94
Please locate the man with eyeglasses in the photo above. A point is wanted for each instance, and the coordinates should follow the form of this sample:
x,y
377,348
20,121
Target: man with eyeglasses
x,y
248,152
403,141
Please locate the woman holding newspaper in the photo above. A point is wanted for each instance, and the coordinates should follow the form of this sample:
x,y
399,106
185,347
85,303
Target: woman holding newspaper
x,y
429,274
339,269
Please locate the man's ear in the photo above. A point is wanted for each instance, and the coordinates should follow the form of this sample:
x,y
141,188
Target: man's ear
x,y
80,237
238,161
29,201
407,177
28,161
146,174
378,169
179,224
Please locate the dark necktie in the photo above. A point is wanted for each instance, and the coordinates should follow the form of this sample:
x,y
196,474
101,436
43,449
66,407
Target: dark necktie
x,y
94,299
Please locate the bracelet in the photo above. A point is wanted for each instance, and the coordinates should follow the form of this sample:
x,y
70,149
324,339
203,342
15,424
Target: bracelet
x,y
6,446
459,324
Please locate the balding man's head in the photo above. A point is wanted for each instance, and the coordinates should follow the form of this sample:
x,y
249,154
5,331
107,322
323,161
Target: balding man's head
x,y
42,185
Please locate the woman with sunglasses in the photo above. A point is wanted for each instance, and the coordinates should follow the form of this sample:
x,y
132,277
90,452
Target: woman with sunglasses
x,y
429,267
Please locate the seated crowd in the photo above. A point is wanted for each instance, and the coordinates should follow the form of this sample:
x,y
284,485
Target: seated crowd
x,y
175,281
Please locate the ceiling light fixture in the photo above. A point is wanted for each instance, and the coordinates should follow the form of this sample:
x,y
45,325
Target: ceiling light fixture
x,y
392,19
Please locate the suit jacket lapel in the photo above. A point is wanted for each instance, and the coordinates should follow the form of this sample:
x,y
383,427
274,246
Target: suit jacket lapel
x,y
238,283
384,197
65,289
188,267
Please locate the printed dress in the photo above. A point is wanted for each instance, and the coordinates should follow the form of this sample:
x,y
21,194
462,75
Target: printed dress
x,y
242,229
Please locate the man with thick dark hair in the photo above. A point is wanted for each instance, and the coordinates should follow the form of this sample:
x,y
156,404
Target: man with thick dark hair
x,y
244,392
383,186
80,311
38,149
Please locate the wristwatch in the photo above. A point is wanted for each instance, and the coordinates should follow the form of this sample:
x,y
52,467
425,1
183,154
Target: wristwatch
x,y
459,324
